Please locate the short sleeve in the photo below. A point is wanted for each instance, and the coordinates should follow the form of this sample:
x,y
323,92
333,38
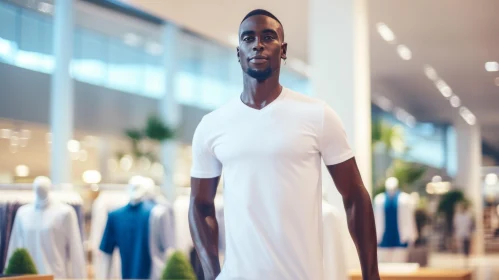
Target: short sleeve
x,y
333,142
204,162
109,238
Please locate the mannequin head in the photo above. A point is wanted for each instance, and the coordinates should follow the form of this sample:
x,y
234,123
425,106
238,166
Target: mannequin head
x,y
42,186
150,188
391,185
136,189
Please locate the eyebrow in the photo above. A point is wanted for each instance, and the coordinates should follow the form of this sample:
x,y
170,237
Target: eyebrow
x,y
250,32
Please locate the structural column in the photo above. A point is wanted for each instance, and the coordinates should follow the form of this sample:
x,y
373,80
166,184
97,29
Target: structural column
x,y
340,75
61,103
468,178
170,110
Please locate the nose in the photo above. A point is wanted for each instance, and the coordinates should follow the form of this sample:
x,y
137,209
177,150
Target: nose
x,y
258,47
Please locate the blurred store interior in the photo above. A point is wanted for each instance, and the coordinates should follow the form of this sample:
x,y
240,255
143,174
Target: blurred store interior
x,y
419,100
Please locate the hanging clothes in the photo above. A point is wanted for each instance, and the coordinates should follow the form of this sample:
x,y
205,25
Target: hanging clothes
x,y
51,235
395,220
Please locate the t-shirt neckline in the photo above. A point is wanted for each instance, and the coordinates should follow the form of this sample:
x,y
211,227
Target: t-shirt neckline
x,y
271,104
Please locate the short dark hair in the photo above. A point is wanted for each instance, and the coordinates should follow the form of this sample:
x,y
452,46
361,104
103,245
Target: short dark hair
x,y
261,12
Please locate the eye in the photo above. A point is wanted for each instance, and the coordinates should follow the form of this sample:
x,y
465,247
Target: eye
x,y
268,38
248,38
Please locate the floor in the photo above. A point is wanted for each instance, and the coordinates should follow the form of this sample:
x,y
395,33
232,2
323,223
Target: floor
x,y
484,267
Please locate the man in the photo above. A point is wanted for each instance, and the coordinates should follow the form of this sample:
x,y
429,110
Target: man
x,y
270,141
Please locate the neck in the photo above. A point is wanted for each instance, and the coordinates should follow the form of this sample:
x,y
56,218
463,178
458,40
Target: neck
x,y
41,202
258,94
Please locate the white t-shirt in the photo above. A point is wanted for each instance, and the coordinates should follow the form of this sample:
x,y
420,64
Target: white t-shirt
x,y
271,161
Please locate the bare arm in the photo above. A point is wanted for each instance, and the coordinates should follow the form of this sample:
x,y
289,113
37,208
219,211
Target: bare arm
x,y
360,216
203,224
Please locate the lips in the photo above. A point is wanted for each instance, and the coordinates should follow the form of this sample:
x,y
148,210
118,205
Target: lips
x,y
258,59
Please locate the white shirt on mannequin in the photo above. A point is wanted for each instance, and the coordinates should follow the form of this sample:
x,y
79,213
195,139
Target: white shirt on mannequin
x,y
271,161
50,233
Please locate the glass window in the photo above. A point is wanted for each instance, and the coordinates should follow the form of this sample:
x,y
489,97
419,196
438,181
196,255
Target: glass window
x,y
125,71
8,25
154,76
90,57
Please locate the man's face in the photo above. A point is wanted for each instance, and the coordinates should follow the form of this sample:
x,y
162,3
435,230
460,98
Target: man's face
x,y
261,46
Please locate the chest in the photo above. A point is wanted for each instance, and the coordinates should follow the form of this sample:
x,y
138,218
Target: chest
x,y
42,223
266,139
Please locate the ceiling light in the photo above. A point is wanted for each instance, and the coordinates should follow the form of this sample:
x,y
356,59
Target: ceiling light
x,y
73,146
491,179
431,73
385,32
467,115
444,89
132,39
5,133
492,66
91,177
455,101
22,171
404,52
154,48
384,103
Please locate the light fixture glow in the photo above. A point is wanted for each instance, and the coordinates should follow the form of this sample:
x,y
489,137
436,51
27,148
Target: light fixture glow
x,y
5,133
491,179
404,52
25,134
22,171
45,7
384,103
444,89
492,66
430,73
73,146
126,162
154,48
467,115
132,39
455,101
91,177
385,32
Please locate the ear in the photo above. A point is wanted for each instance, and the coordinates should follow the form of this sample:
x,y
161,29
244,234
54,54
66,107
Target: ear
x,y
284,48
238,57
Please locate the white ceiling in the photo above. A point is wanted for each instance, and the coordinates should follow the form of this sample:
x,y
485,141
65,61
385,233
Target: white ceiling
x,y
455,37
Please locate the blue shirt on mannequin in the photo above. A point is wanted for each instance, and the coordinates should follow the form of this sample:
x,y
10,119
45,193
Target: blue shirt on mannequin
x,y
391,237
128,229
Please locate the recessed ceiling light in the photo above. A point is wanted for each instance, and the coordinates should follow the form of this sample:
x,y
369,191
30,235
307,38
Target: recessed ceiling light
x,y
467,115
154,48
5,133
385,32
492,66
444,88
455,101
491,179
404,52
384,103
430,72
132,39
73,146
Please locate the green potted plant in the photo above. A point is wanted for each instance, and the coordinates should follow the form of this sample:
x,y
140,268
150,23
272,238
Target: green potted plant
x,y
178,268
21,263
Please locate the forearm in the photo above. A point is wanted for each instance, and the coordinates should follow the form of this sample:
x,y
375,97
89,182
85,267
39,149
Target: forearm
x,y
204,231
361,225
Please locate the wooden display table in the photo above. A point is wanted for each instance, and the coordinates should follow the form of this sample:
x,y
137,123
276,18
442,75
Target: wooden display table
x,y
421,274
32,277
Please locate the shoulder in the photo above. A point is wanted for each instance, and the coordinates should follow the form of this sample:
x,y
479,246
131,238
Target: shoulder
x,y
221,114
25,209
302,99
380,198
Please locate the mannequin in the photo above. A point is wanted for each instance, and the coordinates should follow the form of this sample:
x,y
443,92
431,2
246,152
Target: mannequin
x,y
395,222
335,266
49,230
140,231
